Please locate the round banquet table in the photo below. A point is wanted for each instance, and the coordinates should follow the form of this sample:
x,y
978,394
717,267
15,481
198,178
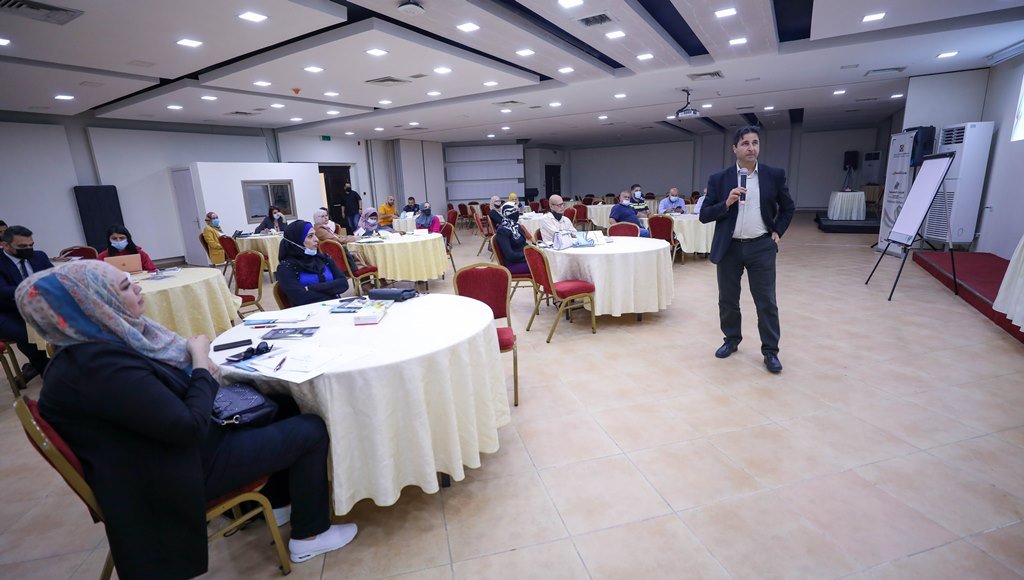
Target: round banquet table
x,y
413,257
421,393
629,274
1010,299
268,245
846,205
693,236
532,223
404,224
598,214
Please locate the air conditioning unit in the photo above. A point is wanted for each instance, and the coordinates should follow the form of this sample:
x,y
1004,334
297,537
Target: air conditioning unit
x,y
953,215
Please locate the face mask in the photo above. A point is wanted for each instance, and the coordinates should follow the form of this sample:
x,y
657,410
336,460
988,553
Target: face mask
x,y
278,216
426,211
215,223
673,197
557,216
372,222
24,253
308,251
119,245
514,216
624,202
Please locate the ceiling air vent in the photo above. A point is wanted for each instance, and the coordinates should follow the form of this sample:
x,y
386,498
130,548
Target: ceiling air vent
x,y
509,104
536,107
415,128
595,20
852,111
142,63
387,81
867,99
39,11
708,76
744,108
885,71
240,114
418,76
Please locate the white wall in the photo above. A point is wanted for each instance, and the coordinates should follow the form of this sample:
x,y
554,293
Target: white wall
x,y
337,151
711,159
775,148
656,167
421,169
433,176
946,99
36,180
536,160
139,164
821,164
1002,216
219,189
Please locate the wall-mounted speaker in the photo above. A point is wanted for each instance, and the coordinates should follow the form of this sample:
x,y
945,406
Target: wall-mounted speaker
x,y
851,159
924,144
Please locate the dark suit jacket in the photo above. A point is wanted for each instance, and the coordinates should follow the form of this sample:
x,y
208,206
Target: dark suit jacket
x,y
777,206
10,277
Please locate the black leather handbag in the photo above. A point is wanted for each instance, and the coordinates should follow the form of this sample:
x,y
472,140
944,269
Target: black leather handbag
x,y
241,405
396,294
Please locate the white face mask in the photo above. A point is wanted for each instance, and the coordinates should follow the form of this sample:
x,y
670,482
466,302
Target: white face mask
x,y
673,197
372,222
278,216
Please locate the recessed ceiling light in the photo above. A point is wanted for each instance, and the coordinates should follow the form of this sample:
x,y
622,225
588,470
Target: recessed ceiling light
x,y
174,107
615,34
524,52
506,110
261,84
189,42
442,70
468,27
383,102
769,108
349,133
490,135
333,112
277,105
252,17
554,104
896,96
566,70
570,3
602,117
378,128
645,56
64,97
620,95
873,17
839,92
313,69
376,52
491,84
670,118
948,54
331,94
506,128
725,12
413,123
4,42
295,119
208,98
737,41
434,94
706,106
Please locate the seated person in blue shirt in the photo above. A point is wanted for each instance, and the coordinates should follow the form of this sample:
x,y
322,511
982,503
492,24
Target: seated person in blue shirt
x,y
411,206
624,212
672,202
305,274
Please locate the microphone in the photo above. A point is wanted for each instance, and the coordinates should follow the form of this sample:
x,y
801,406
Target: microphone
x,y
743,184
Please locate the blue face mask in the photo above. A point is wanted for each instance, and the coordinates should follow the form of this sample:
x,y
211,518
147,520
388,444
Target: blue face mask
x,y
215,223
119,245
309,252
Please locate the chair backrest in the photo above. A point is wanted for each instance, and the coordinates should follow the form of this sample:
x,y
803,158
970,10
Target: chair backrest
x,y
661,227
535,206
650,195
249,270
56,452
452,215
624,229
488,283
446,233
337,253
280,297
496,249
570,212
544,205
473,203
463,210
582,213
84,252
206,247
230,247
539,270
526,232
450,207
483,225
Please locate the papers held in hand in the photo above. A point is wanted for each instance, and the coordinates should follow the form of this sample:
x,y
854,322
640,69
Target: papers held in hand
x,y
290,333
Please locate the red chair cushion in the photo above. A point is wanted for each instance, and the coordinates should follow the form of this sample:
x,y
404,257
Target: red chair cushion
x,y
526,276
506,338
365,270
247,298
572,287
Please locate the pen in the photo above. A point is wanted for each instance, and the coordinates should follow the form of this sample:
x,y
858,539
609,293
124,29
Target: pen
x,y
280,364
264,326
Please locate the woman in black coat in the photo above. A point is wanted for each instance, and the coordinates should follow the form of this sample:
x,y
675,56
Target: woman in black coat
x,y
274,221
305,274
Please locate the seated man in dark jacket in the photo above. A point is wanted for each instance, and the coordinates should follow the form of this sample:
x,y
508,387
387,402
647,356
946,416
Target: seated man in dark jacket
x,y
20,261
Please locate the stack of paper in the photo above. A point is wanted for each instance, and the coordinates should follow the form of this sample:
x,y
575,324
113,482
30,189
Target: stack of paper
x,y
275,318
373,312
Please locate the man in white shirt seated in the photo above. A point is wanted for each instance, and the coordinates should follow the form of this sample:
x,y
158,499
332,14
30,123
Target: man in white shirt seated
x,y
672,202
554,221
700,202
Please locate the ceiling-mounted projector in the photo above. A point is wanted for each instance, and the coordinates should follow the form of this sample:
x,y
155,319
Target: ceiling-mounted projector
x,y
687,112
410,7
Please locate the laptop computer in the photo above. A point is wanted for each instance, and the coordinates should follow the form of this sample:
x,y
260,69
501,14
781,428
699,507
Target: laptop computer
x,y
126,263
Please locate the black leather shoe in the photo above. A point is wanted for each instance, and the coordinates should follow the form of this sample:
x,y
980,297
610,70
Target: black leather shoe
x,y
771,362
726,349
28,372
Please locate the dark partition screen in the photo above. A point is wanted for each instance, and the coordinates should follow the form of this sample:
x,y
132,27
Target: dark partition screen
x,y
99,209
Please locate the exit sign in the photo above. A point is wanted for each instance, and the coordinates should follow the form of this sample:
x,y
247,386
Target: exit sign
x,y
325,137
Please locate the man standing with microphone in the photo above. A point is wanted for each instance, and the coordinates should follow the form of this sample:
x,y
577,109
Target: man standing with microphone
x,y
751,208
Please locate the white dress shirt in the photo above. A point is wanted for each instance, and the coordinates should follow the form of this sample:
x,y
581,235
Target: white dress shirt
x,y
750,222
548,226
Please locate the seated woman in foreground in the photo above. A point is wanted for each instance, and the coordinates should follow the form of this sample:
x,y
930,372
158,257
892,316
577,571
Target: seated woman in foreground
x,y
119,243
511,239
133,401
306,275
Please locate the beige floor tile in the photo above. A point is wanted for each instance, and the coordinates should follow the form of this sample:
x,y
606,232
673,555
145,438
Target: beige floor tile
x,y
913,423
758,536
657,548
547,401
44,569
954,561
853,441
439,573
565,440
644,425
511,458
1015,436
775,455
405,537
487,517
92,567
601,493
693,473
56,525
869,524
978,408
951,497
250,554
899,376
555,560
989,458
712,411
1005,545
779,402
609,390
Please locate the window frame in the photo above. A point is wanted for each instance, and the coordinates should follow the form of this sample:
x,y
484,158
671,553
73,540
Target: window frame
x,y
268,183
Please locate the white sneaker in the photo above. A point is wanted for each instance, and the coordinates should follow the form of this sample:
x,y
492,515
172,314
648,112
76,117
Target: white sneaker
x,y
337,536
283,515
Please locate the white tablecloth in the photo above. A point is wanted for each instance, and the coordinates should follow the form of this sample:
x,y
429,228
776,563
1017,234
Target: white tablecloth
x,y
412,257
629,274
269,246
693,236
846,205
598,214
422,392
404,224
532,224
1010,300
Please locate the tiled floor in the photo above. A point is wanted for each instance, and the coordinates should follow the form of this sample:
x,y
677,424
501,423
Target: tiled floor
x,y
892,446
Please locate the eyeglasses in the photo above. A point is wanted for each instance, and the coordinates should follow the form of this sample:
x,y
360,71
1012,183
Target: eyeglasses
x,y
557,205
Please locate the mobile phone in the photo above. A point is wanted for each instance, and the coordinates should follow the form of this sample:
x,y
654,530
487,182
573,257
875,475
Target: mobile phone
x,y
230,345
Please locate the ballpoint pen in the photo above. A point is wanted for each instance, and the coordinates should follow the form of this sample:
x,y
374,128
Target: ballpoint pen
x,y
280,364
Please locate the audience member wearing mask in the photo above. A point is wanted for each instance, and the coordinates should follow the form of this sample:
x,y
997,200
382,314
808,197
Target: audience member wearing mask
x,y
352,202
427,220
211,236
305,274
330,223
411,206
19,261
323,230
637,201
511,239
553,221
119,243
625,212
368,224
274,221
672,203
495,213
513,198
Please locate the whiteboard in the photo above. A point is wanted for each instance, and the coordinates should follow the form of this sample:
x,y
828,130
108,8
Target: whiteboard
x,y
911,215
